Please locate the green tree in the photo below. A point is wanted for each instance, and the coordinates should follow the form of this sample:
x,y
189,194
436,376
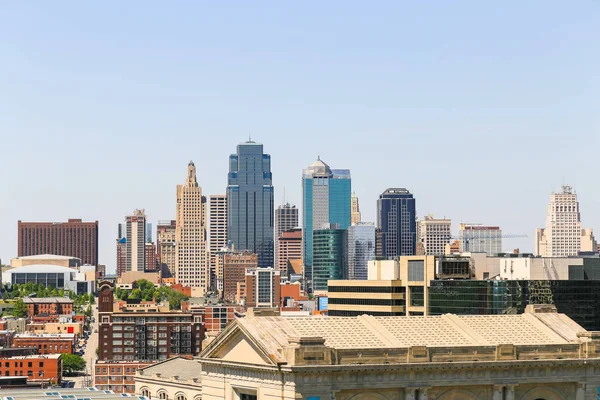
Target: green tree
x,y
72,363
135,294
20,309
88,311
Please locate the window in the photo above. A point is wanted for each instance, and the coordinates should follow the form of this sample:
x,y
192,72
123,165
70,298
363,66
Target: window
x,y
416,270
163,395
180,397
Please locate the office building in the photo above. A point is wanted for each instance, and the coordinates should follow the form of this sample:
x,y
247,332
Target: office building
x,y
250,202
135,231
263,287
434,235
354,209
537,355
148,232
289,247
286,218
326,199
563,235
349,298
234,271
361,249
165,249
121,254
191,264
150,257
143,332
480,239
73,238
329,256
218,232
396,219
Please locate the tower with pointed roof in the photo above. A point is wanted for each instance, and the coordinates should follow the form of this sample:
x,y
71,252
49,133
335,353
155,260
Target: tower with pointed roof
x,y
325,200
250,201
191,261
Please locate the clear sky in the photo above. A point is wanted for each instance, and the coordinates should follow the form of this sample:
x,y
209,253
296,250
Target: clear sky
x,y
479,108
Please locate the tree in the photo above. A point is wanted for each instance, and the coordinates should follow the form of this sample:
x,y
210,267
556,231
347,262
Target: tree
x,y
135,294
20,309
72,363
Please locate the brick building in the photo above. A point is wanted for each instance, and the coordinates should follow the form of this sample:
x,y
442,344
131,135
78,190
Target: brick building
x,y
151,332
117,376
289,247
263,287
151,261
234,271
48,306
73,238
46,343
45,368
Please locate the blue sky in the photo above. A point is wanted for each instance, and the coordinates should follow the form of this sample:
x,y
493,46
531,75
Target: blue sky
x,y
479,108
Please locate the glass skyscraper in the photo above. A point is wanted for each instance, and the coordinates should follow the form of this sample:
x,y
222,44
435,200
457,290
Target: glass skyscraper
x,y
361,249
326,199
250,202
329,255
396,219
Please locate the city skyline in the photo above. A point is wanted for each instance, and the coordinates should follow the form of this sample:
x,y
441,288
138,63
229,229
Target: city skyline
x,y
482,111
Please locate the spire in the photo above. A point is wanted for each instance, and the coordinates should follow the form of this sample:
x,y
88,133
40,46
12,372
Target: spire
x,y
191,176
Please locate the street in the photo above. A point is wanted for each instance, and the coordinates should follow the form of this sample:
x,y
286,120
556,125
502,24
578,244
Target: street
x,y
89,355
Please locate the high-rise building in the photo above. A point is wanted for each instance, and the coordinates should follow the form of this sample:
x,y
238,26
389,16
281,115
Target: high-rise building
x,y
480,239
289,247
354,209
396,219
434,235
563,235
165,249
326,195
234,272
218,232
151,260
135,230
329,255
361,249
263,287
286,218
73,238
191,263
148,232
250,202
121,255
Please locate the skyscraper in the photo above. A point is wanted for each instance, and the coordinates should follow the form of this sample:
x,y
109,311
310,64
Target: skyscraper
x,y
355,209
325,200
289,247
329,255
361,249
218,231
434,234
73,238
190,233
286,218
165,249
396,218
480,239
250,202
562,236
135,231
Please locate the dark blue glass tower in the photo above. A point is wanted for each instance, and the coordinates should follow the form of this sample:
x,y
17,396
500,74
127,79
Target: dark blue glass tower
x,y
250,202
396,219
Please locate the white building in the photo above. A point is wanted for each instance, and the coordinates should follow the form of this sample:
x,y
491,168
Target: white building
x,y
217,238
480,239
135,231
434,234
79,280
563,235
191,267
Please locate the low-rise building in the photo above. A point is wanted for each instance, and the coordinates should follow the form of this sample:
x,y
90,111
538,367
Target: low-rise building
x,y
46,343
45,368
46,259
56,327
79,280
48,305
536,355
177,378
118,376
263,287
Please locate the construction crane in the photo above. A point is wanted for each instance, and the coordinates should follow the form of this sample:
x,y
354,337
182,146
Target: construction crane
x,y
468,241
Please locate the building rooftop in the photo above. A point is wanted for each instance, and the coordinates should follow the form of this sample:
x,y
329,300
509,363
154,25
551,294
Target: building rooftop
x,y
179,367
62,393
42,268
44,300
46,257
45,335
36,357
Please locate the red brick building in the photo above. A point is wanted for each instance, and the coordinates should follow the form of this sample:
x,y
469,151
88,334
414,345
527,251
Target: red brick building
x,y
117,376
40,368
46,343
48,306
263,287
73,238
151,263
234,271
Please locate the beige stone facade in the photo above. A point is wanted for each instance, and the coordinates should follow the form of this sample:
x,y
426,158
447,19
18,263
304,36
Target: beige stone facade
x,y
533,356
191,268
176,379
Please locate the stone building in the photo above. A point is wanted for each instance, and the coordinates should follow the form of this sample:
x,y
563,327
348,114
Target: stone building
x,y
177,378
537,355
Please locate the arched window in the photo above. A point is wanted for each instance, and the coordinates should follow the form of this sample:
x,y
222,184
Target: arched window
x,y
180,396
163,395
145,392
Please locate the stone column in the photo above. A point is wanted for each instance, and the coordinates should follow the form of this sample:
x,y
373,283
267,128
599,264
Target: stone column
x,y
497,392
510,392
580,394
423,393
410,394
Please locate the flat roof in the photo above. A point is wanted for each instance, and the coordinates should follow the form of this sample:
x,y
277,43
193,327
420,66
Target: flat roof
x,y
40,300
61,393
